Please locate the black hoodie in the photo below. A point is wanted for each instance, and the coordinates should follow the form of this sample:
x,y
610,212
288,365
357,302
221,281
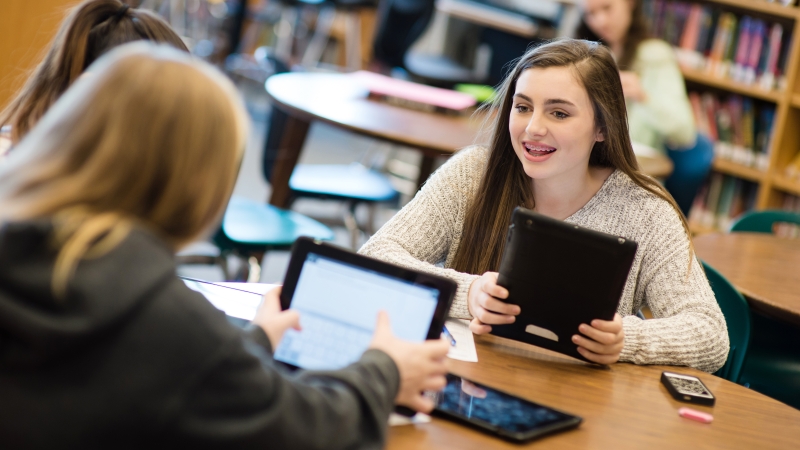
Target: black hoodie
x,y
132,358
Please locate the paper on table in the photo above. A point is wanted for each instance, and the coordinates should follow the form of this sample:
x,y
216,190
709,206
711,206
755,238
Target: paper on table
x,y
256,288
235,299
396,420
464,349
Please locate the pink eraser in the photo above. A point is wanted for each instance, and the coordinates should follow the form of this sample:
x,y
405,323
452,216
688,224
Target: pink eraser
x,y
694,414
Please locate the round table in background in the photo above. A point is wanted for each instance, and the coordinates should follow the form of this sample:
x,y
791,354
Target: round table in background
x,y
340,101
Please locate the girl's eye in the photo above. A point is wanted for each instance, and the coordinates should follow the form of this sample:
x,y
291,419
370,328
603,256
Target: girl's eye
x,y
560,115
521,108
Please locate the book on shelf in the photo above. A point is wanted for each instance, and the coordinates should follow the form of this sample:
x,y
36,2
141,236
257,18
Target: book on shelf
x,y
740,127
723,44
722,199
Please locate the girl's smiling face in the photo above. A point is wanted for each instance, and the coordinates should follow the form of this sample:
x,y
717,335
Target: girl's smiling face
x,y
552,124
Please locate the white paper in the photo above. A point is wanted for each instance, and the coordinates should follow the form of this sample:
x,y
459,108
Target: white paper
x,y
398,420
229,297
256,288
464,349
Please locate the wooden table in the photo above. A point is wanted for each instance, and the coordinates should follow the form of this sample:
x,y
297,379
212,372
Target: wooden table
x,y
623,406
765,268
338,100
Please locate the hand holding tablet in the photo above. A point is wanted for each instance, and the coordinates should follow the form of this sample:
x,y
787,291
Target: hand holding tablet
x,y
272,320
421,366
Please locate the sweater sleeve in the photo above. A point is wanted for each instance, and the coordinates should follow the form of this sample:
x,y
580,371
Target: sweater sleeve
x,y
688,327
246,400
428,229
667,109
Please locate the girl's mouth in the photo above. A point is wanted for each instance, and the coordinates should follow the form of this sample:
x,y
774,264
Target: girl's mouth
x,y
537,149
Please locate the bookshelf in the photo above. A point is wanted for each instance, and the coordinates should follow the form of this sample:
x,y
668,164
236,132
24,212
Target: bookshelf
x,y
787,185
759,6
737,170
698,77
774,186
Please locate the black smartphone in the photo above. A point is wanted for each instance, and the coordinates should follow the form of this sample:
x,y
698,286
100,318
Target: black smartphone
x,y
497,412
687,388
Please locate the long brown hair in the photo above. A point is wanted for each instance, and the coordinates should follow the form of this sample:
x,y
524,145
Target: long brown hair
x,y
91,29
505,185
637,32
153,138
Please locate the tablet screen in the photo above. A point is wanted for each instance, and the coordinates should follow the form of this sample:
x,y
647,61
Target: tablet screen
x,y
494,409
338,305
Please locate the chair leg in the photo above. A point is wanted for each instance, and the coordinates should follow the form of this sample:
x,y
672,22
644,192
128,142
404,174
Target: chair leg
x,y
285,33
353,39
254,263
372,209
351,224
222,262
315,49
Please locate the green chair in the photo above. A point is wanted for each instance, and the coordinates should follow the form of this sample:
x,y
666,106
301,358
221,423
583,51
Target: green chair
x,y
773,361
250,229
737,316
762,221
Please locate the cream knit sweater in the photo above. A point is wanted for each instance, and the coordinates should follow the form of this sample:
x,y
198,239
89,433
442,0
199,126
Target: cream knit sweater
x,y
688,327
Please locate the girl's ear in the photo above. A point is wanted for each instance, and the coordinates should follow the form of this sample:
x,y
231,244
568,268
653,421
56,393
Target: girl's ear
x,y
598,137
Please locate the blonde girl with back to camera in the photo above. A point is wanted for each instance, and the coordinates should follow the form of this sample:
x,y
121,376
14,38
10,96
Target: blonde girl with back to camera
x,y
100,343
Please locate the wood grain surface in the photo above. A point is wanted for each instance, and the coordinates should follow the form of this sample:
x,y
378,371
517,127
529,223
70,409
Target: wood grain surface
x,y
765,268
340,101
623,406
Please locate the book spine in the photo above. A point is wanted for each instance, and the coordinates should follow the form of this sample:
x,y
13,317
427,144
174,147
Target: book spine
x,y
742,49
768,77
712,202
754,54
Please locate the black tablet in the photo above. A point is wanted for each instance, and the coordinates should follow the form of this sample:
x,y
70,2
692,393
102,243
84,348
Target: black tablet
x,y
561,275
338,294
497,412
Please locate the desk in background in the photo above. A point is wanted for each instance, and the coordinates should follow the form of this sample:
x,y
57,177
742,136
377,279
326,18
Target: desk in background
x,y
338,100
623,406
765,269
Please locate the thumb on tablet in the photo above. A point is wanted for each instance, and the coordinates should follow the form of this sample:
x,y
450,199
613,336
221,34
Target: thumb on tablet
x,y
383,330
272,320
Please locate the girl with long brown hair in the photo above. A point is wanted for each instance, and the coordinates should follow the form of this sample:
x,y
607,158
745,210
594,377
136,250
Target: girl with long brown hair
x,y
91,29
560,146
101,345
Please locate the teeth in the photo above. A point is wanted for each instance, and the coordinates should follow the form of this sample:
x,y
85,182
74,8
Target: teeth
x,y
540,149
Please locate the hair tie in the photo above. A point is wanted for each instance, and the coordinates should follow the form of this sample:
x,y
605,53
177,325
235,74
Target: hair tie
x,y
121,12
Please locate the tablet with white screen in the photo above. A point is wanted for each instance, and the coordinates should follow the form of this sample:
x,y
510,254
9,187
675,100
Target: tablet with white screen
x,y
339,293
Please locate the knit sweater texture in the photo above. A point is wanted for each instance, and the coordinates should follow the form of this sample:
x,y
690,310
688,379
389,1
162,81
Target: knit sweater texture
x,y
687,328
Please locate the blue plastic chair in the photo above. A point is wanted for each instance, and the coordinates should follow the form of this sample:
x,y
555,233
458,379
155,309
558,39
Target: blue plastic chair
x,y
351,183
737,316
691,167
250,229
762,221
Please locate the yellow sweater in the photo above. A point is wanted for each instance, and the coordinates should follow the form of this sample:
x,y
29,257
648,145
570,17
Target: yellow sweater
x,y
665,117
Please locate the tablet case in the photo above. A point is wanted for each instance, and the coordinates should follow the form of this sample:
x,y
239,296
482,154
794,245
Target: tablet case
x,y
561,275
